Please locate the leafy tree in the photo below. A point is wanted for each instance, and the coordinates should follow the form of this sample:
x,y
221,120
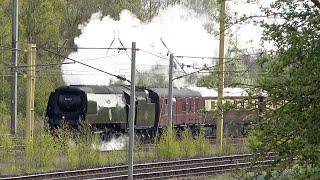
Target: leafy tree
x,y
5,52
235,69
40,23
151,78
292,82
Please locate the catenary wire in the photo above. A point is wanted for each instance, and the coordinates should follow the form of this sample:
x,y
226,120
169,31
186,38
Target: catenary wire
x,y
57,54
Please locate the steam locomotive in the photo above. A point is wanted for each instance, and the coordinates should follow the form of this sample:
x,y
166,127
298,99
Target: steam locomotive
x,y
106,109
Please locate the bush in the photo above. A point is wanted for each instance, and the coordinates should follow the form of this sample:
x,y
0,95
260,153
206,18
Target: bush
x,y
81,152
171,148
6,144
7,150
168,147
41,152
188,144
203,145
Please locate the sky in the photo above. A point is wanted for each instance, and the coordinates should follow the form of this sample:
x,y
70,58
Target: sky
x,y
179,28
249,35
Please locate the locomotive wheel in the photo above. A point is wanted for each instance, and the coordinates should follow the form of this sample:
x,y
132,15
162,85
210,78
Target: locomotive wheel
x,y
195,131
143,136
106,135
54,131
147,136
138,136
244,130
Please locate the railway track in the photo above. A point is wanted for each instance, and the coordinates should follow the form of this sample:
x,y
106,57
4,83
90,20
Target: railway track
x,y
162,170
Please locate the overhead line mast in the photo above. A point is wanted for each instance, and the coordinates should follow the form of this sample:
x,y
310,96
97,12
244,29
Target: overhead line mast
x,y
14,85
221,75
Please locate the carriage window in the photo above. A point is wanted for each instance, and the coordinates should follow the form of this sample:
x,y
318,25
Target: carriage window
x,y
163,107
255,103
198,106
242,103
194,105
184,105
213,104
187,105
245,103
190,105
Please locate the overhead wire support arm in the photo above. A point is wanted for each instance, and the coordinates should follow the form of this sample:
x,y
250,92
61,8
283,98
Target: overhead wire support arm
x,y
39,65
57,54
93,48
110,44
181,66
126,51
206,57
104,48
124,47
153,54
5,48
198,71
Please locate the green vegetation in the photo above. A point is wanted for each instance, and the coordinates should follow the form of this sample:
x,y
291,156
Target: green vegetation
x,y
40,153
147,78
47,153
79,150
168,147
291,80
240,68
7,153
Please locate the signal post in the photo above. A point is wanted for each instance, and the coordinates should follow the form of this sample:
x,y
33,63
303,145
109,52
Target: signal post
x,y
31,76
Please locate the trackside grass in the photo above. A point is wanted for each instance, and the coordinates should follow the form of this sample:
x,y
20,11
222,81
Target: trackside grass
x,y
45,153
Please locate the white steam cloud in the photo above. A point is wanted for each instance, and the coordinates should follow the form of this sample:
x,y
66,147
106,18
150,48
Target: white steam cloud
x,y
180,28
119,143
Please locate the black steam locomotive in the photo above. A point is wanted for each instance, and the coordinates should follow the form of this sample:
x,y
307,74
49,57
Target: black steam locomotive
x,y
106,109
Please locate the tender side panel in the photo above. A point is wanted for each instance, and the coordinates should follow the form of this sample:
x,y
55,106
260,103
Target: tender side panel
x,y
154,98
145,114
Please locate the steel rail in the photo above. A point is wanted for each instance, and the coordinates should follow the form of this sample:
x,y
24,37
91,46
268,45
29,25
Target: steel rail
x,y
160,170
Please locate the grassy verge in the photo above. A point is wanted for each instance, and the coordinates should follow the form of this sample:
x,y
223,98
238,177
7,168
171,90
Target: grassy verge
x,y
76,150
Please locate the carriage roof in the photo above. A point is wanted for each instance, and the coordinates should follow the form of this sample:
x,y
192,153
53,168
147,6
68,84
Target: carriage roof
x,y
200,92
